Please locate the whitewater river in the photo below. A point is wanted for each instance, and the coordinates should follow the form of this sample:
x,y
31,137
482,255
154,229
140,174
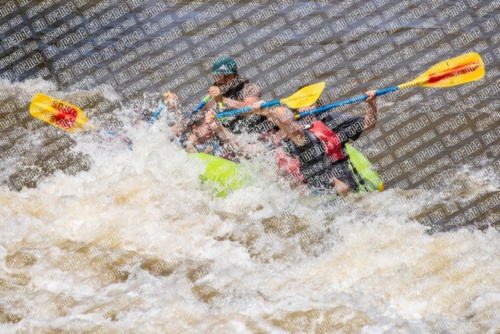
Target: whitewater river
x,y
97,238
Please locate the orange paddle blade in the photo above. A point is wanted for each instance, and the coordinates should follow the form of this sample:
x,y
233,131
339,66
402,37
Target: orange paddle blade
x,y
59,113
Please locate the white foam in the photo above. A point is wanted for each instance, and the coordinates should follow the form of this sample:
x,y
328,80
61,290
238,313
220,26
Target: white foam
x,y
225,261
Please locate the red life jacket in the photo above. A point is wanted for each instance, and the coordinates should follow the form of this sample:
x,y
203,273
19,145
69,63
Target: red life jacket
x,y
330,141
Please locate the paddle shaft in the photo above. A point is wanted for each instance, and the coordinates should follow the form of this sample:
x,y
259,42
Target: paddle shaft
x,y
435,77
157,113
348,101
319,110
305,96
199,106
163,105
247,109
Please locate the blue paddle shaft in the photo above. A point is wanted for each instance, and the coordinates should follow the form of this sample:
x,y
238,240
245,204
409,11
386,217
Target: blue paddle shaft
x,y
198,107
387,90
348,101
163,105
248,109
270,104
234,112
157,113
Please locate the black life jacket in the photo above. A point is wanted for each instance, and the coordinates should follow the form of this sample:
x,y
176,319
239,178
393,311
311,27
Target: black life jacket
x,y
236,92
327,150
238,124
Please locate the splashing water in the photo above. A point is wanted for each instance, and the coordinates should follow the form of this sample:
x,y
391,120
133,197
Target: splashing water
x,y
135,244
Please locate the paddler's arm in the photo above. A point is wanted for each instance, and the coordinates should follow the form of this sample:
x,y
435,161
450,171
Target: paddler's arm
x,y
371,114
173,102
249,99
233,104
226,136
349,127
190,144
183,126
288,125
217,128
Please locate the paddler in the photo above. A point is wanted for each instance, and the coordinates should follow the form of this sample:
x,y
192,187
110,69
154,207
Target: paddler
x,y
314,153
229,91
175,119
232,91
199,134
207,136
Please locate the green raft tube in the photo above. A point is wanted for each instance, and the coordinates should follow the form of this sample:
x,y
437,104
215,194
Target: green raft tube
x,y
365,176
222,176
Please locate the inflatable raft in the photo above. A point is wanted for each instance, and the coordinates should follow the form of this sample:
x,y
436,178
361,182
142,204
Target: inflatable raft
x,y
222,176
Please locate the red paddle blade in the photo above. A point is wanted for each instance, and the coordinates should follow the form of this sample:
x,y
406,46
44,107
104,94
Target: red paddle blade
x,y
452,72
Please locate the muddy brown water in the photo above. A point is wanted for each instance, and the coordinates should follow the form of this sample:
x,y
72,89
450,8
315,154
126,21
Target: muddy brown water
x,y
98,238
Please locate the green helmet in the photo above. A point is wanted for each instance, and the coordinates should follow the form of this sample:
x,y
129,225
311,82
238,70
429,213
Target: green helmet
x,y
225,65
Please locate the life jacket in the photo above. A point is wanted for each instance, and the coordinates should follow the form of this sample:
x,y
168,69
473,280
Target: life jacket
x,y
331,143
329,139
237,123
236,92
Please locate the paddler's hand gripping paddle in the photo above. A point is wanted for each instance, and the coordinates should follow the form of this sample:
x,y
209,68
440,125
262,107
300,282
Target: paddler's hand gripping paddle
x,y
452,72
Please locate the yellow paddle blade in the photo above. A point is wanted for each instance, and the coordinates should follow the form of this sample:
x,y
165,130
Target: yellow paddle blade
x,y
59,113
452,72
305,96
